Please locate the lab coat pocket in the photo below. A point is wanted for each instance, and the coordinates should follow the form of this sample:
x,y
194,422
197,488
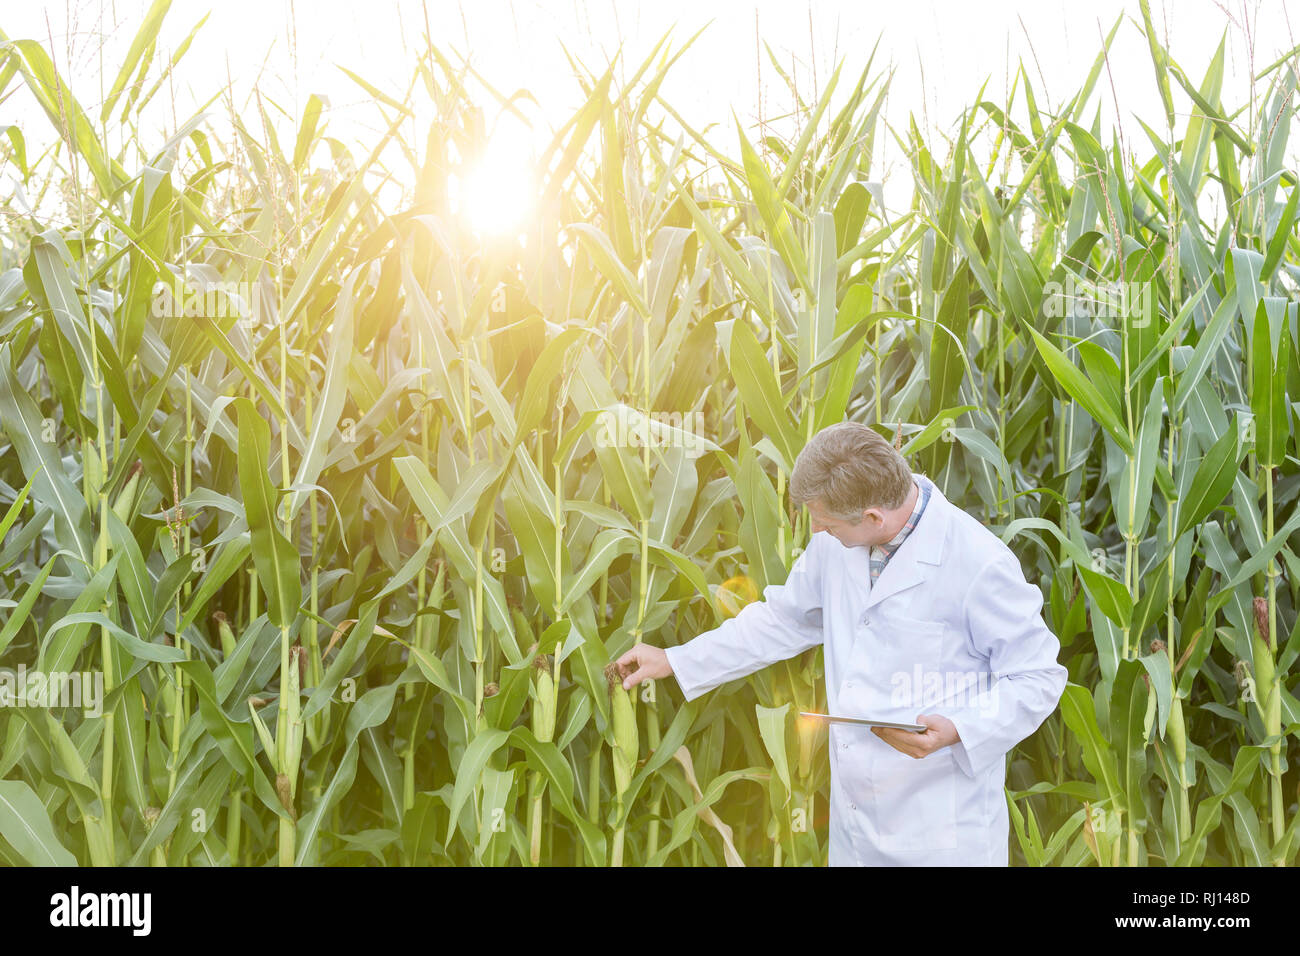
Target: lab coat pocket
x,y
908,660
915,800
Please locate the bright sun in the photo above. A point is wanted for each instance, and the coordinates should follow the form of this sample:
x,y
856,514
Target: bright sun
x,y
498,193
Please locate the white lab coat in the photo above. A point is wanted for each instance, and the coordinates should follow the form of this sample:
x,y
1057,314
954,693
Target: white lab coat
x,y
951,627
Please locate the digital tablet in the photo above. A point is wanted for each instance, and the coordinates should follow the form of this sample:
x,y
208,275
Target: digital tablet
x,y
915,728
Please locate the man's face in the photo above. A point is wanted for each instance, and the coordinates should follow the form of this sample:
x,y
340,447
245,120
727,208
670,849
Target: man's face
x,y
864,534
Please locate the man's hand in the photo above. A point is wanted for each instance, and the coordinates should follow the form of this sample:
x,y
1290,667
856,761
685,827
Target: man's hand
x,y
643,662
941,733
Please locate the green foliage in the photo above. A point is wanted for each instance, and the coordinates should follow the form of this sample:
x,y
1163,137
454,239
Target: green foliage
x,y
417,487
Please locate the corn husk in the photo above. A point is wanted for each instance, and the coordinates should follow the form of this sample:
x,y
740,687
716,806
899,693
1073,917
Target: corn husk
x,y
625,731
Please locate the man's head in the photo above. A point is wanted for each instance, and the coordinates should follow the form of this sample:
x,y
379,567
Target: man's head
x,y
854,483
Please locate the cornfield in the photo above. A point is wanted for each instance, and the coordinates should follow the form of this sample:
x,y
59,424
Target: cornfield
x,y
349,506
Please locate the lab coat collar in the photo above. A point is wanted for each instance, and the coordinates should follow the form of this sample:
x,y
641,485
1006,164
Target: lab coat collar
x,y
924,545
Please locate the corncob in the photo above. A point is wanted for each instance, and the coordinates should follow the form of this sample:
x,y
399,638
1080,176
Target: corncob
x,y
625,747
625,730
544,706
124,506
226,635
544,700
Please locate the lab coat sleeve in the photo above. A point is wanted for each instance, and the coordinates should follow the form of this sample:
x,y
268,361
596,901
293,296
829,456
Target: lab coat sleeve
x,y
1003,613
788,620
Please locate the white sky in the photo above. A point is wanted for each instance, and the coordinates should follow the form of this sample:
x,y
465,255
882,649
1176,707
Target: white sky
x,y
943,50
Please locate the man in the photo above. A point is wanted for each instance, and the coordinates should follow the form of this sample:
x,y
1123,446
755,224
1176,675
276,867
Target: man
x,y
925,617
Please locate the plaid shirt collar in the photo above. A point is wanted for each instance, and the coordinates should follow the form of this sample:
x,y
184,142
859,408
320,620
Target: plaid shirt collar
x,y
880,554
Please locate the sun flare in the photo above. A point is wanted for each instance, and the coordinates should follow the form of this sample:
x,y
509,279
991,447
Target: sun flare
x,y
498,192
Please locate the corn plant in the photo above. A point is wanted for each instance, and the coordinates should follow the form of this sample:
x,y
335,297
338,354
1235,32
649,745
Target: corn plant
x,y
351,504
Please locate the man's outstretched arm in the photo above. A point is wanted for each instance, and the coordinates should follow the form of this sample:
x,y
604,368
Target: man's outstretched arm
x,y
787,621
